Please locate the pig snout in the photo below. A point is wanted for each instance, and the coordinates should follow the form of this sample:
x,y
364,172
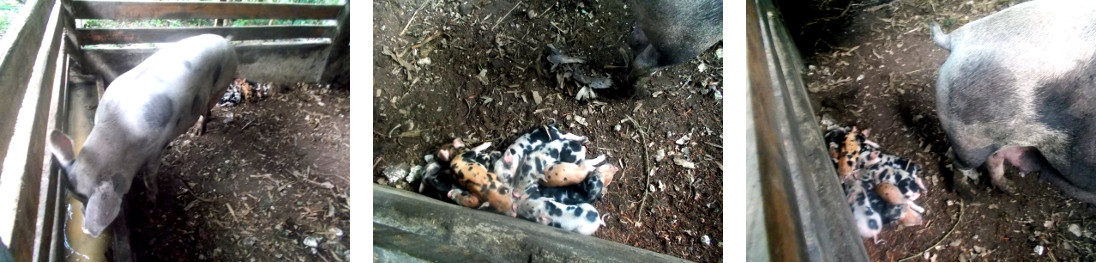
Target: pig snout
x,y
669,32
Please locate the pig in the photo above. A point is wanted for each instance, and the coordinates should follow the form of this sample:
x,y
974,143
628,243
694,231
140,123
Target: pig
x,y
867,220
589,190
668,32
896,178
141,112
582,218
1017,87
507,166
439,184
470,171
847,148
554,152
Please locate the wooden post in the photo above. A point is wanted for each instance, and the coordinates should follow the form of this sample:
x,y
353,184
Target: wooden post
x,y
338,58
15,67
24,175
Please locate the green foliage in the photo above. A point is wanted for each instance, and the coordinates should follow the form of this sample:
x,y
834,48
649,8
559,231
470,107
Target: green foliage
x,y
8,10
103,23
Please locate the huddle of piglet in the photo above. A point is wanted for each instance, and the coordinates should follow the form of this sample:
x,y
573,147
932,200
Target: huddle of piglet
x,y
543,176
880,187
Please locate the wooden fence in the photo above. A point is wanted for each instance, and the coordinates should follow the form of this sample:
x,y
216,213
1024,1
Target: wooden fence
x,y
34,62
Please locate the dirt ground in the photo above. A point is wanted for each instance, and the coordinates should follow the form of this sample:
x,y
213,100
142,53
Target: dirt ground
x,y
873,64
266,180
475,70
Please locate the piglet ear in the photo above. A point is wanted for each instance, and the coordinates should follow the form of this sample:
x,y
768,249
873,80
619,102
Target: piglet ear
x,y
457,143
443,154
102,208
866,132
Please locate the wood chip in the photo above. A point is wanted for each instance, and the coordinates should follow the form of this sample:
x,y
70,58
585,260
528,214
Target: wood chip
x,y
684,163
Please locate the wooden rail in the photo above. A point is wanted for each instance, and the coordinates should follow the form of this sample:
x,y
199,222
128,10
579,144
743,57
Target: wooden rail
x,y
164,35
28,69
200,10
806,215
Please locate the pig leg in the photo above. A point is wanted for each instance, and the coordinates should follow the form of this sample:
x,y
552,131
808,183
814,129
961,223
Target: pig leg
x,y
149,169
915,207
464,198
202,119
482,147
962,172
573,137
996,167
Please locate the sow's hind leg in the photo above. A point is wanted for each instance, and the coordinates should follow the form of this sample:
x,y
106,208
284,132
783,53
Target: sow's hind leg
x,y
965,160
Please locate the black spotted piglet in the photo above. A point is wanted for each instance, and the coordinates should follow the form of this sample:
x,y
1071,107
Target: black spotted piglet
x,y
582,218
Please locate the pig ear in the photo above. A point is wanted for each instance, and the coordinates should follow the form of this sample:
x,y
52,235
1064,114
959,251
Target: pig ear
x,y
457,143
61,146
443,154
102,208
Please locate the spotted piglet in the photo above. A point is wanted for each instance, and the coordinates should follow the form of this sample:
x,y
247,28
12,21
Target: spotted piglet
x,y
141,112
534,167
582,218
507,166
470,171
868,221
589,190
847,147
897,179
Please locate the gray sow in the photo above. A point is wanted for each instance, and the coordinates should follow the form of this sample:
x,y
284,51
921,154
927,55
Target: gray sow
x,y
139,114
669,32
1020,86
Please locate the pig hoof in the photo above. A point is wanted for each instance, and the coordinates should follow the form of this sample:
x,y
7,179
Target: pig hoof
x,y
1005,186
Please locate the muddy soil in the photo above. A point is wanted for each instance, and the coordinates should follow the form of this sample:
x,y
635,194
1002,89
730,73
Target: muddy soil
x,y
268,181
873,64
475,70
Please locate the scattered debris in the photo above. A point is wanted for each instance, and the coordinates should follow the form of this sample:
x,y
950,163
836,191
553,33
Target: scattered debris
x,y
396,172
684,163
1075,229
311,241
585,93
593,82
557,58
414,175
482,77
707,241
683,140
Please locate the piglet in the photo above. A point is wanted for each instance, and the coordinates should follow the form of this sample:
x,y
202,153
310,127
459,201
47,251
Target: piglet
x,y
139,114
896,178
588,190
507,166
582,218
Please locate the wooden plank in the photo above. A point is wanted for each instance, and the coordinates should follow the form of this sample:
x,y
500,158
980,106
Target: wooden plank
x,y
47,208
28,142
200,10
22,40
338,58
280,63
165,35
